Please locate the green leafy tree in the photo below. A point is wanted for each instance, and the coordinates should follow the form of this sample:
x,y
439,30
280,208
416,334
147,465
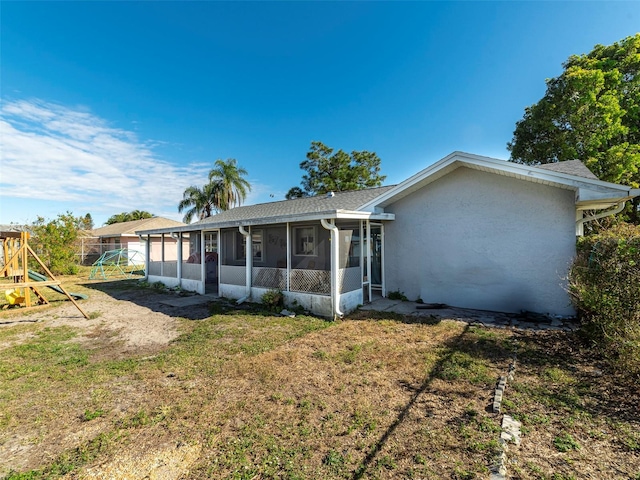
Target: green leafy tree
x,y
55,243
327,171
234,187
590,112
201,202
128,216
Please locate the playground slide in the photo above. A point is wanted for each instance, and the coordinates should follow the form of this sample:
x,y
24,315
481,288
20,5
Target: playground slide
x,y
41,278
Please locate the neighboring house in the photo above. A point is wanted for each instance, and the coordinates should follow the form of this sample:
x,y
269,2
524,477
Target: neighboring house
x,y
123,235
468,231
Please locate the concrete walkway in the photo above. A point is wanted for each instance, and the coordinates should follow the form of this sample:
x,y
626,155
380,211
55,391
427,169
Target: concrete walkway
x,y
525,320
190,300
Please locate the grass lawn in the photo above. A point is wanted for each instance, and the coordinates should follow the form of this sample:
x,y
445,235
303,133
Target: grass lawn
x,y
245,394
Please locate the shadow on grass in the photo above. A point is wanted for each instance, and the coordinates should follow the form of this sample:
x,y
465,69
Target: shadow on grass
x,y
130,290
567,383
438,371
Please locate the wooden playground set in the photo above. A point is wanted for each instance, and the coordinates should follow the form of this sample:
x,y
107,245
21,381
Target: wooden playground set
x,y
24,291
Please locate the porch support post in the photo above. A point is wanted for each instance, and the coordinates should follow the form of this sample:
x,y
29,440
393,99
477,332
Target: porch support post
x,y
249,260
147,258
382,247
369,247
179,259
203,270
162,255
288,286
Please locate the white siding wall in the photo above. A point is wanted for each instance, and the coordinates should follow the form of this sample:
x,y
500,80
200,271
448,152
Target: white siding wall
x,y
480,240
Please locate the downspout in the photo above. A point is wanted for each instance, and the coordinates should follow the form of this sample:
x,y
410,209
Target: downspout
x,y
249,263
580,222
335,245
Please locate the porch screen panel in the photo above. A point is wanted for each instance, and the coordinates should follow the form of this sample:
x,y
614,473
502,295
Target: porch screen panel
x,y
192,271
275,246
154,268
233,275
269,277
229,254
349,279
311,281
170,269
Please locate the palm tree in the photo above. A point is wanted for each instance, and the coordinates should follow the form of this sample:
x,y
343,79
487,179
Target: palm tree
x,y
201,202
139,215
234,186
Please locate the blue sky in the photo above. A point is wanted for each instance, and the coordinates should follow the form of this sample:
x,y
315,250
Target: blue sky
x,y
114,106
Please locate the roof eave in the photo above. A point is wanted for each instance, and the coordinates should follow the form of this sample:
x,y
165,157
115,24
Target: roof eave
x,y
293,218
523,172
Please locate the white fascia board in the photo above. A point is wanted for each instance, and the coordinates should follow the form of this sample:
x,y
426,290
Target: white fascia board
x,y
583,186
293,218
603,202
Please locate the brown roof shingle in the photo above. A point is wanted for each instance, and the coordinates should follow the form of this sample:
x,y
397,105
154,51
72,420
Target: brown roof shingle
x,y
129,228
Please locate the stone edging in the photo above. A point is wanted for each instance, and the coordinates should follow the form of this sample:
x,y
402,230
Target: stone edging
x,y
510,428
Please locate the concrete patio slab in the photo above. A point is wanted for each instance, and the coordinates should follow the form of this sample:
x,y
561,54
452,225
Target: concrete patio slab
x,y
525,320
189,301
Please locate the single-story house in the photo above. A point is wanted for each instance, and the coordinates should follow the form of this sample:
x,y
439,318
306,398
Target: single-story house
x,y
468,231
123,235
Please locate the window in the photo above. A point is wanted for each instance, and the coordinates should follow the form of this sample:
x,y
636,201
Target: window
x,y
210,242
256,246
306,241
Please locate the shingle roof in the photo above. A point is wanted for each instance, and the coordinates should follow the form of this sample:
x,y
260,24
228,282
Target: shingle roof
x,y
129,228
300,206
570,167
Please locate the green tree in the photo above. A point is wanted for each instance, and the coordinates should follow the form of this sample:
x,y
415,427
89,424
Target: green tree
x,y
230,177
327,171
55,243
201,202
296,192
128,216
86,222
590,112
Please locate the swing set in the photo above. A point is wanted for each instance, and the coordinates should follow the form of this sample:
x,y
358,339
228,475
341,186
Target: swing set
x,y
26,282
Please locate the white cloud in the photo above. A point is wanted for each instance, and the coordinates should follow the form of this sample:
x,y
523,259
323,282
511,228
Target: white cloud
x,y
53,153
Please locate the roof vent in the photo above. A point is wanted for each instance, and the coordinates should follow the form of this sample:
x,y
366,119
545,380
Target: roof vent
x,y
330,194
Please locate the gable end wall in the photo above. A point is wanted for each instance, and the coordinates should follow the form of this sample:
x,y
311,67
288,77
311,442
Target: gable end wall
x,y
479,240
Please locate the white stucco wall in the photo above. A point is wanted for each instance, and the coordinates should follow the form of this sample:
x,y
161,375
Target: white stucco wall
x,y
480,240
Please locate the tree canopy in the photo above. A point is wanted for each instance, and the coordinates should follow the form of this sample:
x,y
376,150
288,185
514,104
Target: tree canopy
x,y
591,112
233,186
54,241
226,189
200,202
327,171
128,216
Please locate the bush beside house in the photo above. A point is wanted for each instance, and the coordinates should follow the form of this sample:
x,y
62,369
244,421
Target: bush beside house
x,y
605,288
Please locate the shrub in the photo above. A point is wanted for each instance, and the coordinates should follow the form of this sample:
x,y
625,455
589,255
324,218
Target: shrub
x,y
273,299
397,295
605,288
54,241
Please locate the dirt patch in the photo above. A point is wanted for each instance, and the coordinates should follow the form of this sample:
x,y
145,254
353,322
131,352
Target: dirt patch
x,y
131,321
167,462
124,323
